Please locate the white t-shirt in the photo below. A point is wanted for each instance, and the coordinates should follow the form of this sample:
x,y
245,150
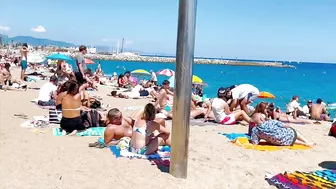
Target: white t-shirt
x,y
293,105
154,78
137,88
243,90
305,109
46,92
218,109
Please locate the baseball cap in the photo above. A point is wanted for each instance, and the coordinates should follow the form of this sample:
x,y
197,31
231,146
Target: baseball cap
x,y
221,92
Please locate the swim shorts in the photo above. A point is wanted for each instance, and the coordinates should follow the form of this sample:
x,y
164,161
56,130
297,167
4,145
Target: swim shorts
x,y
229,120
24,64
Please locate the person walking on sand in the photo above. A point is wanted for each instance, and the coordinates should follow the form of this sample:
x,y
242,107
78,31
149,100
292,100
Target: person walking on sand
x,y
81,66
24,58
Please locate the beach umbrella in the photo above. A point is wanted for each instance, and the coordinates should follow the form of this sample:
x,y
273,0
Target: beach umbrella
x,y
59,56
140,72
35,58
195,80
89,61
265,95
166,72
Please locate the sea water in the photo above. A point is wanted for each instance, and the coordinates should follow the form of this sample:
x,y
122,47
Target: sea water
x,y
309,81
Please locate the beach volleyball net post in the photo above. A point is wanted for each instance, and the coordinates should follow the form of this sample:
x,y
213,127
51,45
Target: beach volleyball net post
x,y
182,92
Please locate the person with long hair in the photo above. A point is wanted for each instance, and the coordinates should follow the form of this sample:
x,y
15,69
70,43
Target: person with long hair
x,y
272,131
71,108
143,139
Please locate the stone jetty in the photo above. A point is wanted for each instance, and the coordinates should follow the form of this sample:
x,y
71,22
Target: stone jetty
x,y
138,58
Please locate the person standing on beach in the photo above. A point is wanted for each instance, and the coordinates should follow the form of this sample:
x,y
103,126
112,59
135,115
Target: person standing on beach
x,y
24,58
154,78
81,66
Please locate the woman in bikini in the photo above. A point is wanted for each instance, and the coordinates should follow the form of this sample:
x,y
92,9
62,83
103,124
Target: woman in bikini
x,y
143,140
276,115
71,108
272,131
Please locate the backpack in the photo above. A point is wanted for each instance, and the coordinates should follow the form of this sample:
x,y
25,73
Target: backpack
x,y
91,119
95,104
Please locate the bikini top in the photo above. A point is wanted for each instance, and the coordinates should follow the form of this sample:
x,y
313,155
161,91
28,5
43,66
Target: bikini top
x,y
143,130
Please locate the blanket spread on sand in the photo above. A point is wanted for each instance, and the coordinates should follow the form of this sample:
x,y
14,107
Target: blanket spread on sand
x,y
164,153
302,180
241,139
93,131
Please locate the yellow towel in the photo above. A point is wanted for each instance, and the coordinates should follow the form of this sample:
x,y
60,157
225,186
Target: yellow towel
x,y
244,142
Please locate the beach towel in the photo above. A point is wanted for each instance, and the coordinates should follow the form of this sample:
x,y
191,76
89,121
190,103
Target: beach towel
x,y
93,131
241,139
163,154
302,180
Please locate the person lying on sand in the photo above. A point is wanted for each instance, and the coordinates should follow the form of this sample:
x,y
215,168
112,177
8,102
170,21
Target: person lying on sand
x,y
118,126
274,114
319,111
273,131
221,110
161,103
143,140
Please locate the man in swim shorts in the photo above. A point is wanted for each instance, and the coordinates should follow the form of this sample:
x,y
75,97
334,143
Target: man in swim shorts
x,y
118,127
161,103
242,95
24,58
319,112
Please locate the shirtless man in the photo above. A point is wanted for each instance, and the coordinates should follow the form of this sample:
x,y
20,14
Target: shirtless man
x,y
319,112
161,104
24,58
118,127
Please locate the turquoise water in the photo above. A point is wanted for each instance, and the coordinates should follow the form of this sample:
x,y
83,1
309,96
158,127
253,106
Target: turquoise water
x,y
309,81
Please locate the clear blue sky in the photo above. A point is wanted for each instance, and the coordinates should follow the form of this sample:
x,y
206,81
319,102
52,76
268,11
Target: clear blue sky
x,y
303,30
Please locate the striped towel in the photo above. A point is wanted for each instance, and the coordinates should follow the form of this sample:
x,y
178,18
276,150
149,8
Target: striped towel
x,y
93,131
55,116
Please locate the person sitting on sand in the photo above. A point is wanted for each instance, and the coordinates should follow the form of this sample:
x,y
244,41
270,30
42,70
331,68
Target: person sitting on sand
x,y
319,111
307,108
242,95
294,109
124,80
60,93
161,102
276,115
143,140
221,110
8,80
118,126
48,92
272,131
71,120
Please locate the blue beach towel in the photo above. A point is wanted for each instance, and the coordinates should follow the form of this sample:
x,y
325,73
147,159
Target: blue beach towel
x,y
93,131
233,136
163,154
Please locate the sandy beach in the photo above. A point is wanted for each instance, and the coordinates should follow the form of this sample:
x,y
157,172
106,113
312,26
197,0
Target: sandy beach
x,y
34,158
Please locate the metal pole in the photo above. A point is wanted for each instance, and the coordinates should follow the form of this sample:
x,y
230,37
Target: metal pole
x,y
182,92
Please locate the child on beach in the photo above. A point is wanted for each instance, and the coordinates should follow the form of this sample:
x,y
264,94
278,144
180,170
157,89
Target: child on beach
x,y
273,131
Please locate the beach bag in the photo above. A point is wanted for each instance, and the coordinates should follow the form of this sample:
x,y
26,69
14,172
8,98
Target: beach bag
x,y
95,104
91,119
332,131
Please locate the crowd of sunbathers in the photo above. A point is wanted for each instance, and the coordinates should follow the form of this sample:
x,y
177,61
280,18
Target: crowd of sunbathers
x,y
147,130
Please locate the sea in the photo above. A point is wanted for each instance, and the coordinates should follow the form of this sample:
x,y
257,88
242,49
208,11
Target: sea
x,y
309,81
